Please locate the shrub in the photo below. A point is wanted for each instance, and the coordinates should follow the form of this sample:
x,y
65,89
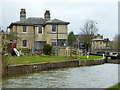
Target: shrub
x,y
25,51
47,49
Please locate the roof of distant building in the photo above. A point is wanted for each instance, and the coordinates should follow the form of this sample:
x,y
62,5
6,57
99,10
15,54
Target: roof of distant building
x,y
97,39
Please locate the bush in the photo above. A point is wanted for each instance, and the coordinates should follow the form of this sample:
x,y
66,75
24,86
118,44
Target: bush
x,y
47,49
25,51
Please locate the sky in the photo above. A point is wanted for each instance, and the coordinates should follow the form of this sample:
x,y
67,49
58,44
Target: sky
x,y
103,12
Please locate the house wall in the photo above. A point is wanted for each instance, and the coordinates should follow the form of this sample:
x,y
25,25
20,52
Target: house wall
x,y
62,33
40,37
28,35
97,45
47,35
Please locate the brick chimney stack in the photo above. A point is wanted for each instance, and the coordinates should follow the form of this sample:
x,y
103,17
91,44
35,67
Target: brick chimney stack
x,y
98,35
47,15
22,14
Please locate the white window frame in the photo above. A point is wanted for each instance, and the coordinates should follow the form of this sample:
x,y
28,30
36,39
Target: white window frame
x,y
38,30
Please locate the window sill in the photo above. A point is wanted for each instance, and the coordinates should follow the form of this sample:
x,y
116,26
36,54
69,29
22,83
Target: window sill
x,y
39,33
53,32
24,32
24,47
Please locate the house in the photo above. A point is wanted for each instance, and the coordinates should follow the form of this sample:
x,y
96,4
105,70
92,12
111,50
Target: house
x,y
35,32
98,43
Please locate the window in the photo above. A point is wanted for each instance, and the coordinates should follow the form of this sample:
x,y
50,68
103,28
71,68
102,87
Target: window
x,y
24,43
62,42
24,28
53,28
53,42
39,30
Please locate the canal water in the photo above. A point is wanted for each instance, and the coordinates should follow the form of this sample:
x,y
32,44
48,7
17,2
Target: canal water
x,y
99,76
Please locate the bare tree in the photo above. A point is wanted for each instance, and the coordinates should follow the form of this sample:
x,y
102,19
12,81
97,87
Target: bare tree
x,y
88,31
116,41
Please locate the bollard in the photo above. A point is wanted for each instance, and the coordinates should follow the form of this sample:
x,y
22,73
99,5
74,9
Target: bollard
x,y
87,56
103,55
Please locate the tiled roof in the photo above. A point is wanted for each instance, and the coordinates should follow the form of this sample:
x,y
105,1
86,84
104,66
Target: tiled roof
x,y
56,21
37,21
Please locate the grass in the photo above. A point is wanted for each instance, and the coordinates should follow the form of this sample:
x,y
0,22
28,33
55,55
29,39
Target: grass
x,y
115,87
90,57
35,59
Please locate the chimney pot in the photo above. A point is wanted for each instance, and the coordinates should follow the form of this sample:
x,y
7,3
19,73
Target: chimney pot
x,y
22,14
47,15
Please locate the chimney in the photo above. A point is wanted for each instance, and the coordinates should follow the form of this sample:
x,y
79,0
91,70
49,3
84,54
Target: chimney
x,y
22,14
47,15
102,37
98,35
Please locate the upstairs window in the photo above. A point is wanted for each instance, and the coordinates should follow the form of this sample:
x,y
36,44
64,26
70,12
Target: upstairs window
x,y
24,43
39,30
24,28
53,28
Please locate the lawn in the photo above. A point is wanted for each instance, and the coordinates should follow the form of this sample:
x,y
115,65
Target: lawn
x,y
35,59
90,57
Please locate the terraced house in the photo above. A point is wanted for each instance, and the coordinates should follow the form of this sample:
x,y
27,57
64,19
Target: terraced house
x,y
34,31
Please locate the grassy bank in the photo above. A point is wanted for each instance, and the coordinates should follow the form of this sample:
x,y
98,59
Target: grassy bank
x,y
35,59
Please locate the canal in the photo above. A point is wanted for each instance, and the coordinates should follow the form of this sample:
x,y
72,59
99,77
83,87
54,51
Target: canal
x,y
99,76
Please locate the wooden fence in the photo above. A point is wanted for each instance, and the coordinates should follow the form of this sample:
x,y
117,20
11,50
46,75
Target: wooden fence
x,y
61,51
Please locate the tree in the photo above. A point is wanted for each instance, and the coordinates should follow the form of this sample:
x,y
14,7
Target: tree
x,y
71,39
88,31
116,42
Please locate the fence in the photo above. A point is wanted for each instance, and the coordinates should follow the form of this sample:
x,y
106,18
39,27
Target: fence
x,y
62,51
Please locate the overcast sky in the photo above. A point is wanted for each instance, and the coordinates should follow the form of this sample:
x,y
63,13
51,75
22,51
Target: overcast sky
x,y
103,12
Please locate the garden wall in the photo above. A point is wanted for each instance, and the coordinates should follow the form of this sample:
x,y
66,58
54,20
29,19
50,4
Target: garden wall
x,y
35,67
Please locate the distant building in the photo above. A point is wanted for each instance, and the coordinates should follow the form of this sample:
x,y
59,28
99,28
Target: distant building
x,y
98,43
34,31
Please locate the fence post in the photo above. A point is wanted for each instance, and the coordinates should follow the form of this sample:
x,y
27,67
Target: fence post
x,y
71,51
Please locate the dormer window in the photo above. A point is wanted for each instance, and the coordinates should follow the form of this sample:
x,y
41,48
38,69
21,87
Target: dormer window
x,y
24,28
40,30
53,28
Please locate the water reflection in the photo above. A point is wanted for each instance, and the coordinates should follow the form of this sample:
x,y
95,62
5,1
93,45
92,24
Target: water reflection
x,y
100,76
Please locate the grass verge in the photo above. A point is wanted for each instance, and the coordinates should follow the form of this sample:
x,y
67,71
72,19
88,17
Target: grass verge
x,y
115,87
35,59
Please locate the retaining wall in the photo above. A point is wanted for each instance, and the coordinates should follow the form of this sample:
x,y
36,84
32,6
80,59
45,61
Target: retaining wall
x,y
35,67
115,61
